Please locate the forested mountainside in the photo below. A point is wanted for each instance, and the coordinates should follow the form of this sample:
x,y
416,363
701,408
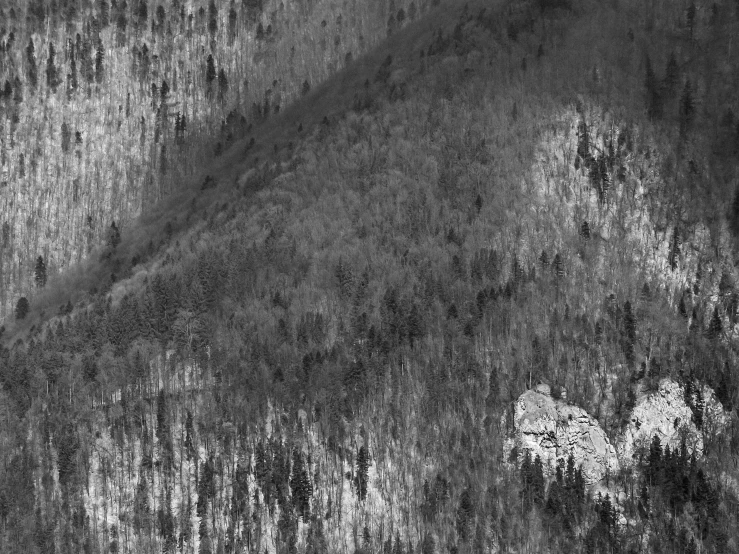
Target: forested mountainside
x,y
319,344
107,106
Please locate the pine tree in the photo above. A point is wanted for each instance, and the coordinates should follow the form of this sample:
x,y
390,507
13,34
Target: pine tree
x,y
687,107
99,58
558,265
629,322
585,230
674,249
361,479
114,236
31,69
212,19
681,308
654,100
21,308
690,18
672,74
52,74
734,213
210,70
538,484
654,469
715,327
40,272
464,514
222,84
583,142
162,424
301,487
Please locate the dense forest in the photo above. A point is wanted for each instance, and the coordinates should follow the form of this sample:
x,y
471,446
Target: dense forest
x,y
107,106
314,344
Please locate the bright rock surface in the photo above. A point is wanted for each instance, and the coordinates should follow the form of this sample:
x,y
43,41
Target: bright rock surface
x,y
553,429
665,413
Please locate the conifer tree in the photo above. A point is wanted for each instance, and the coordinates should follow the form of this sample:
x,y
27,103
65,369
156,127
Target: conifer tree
x,y
715,326
21,308
583,141
654,100
52,76
687,107
99,58
40,272
361,479
212,19
464,514
559,269
31,69
674,249
222,84
114,236
210,70
66,137
672,74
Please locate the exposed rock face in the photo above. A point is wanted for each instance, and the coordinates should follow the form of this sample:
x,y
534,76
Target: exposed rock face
x,y
666,414
554,429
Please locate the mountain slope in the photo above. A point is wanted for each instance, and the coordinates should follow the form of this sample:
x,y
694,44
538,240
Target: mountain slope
x,y
106,107
320,355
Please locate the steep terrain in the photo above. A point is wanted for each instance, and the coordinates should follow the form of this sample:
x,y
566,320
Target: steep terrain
x,y
319,338
677,416
118,103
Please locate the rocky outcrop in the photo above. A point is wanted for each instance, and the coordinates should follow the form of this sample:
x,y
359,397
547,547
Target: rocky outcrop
x,y
666,413
553,429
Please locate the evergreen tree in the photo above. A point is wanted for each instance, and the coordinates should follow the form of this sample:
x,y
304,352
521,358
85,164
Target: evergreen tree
x,y
654,467
21,308
66,137
210,71
300,485
162,424
31,69
672,74
99,58
558,265
222,84
104,11
361,479
583,142
114,236
687,107
674,249
52,74
464,514
734,210
690,18
212,19
715,327
40,272
654,100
